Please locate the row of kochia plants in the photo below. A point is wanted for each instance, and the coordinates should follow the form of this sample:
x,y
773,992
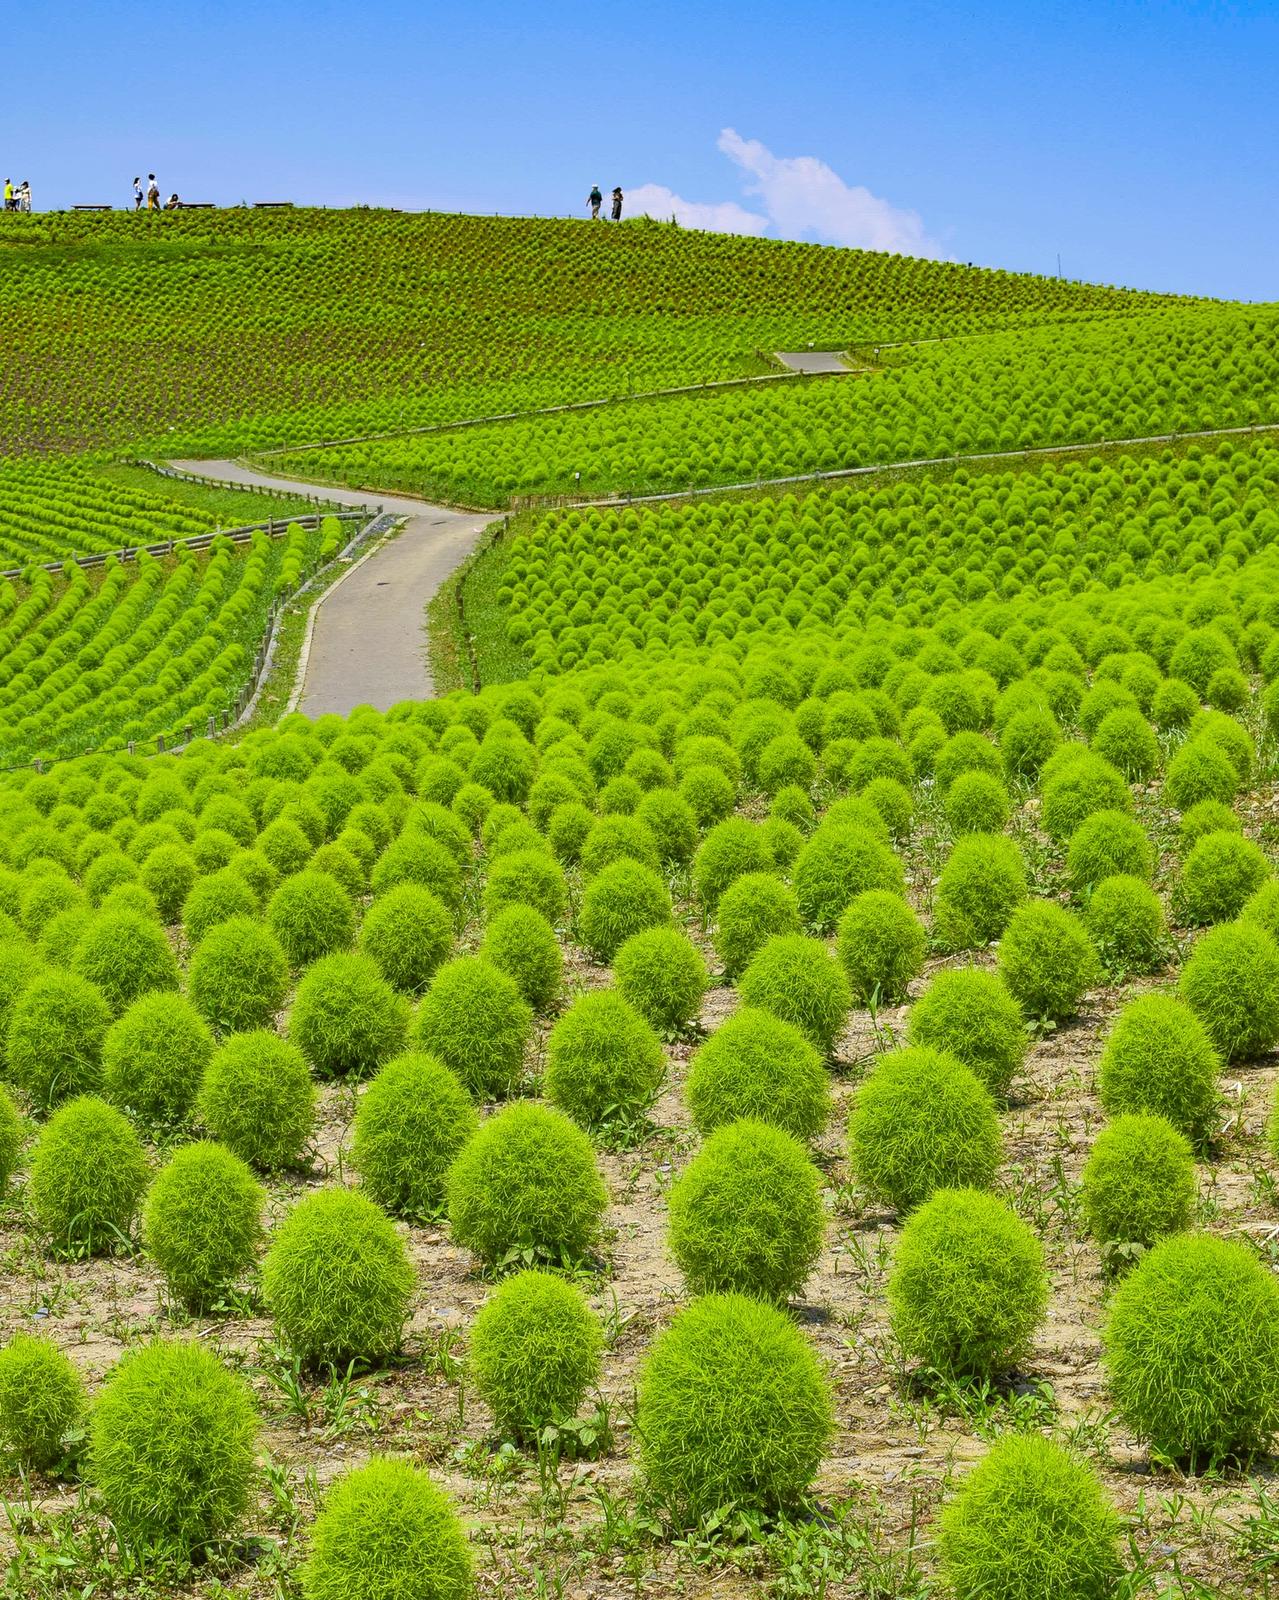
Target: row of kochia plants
x,y
91,659
347,323
403,887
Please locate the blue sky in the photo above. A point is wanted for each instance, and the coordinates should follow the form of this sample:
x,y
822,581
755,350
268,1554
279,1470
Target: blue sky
x,y
1138,140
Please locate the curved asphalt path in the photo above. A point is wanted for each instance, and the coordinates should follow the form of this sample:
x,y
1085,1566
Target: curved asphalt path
x,y
369,645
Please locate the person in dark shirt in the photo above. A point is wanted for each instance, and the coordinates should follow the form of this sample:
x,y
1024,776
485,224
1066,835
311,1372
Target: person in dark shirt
x,y
595,200
617,204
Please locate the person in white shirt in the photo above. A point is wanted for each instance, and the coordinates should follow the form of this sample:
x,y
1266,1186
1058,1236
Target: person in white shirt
x,y
153,193
24,196
137,194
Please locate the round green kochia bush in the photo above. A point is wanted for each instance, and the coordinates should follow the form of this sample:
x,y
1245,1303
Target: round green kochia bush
x,y
733,1409
603,1060
535,1351
731,849
661,973
11,1137
1125,921
1200,771
1030,1522
416,857
893,802
977,802
836,865
1191,1348
751,910
922,1121
56,1032
217,898
88,1175
968,1286
1083,786
474,1019
410,1124
238,976
525,1186
337,1279
171,1445
526,878
125,955
256,1097
1159,1060
409,933
1209,816
202,1221
19,966
617,838
1047,960
1138,1182
757,1066
1219,876
622,899
1231,983
153,1058
971,1015
1262,908
520,942
385,1532
881,946
746,1213
1127,740
981,885
346,1019
797,980
311,915
1107,843
169,871
670,820
41,1400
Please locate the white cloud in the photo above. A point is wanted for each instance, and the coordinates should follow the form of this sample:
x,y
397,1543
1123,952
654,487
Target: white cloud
x,y
801,198
726,216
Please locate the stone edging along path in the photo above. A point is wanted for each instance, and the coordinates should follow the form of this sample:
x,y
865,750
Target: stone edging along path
x,y
366,637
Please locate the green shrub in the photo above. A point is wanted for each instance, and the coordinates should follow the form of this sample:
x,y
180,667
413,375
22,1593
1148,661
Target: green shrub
x,y
168,872
746,1213
970,1015
568,829
733,1409
88,1175
797,980
1262,908
617,839
11,1137
709,793
153,1057
1191,1349
757,1066
1219,875
1200,771
385,1532
661,973
1027,740
238,976
526,878
474,1019
202,1221
623,899
257,1098
56,1032
1107,843
171,1445
670,820
981,885
1128,742
1175,705
964,753
410,1124
343,865
521,943
1209,816
1125,921
977,802
125,955
418,858
1030,1522
1086,785
836,865
893,802
968,1286
525,1188
337,1279
1231,983
217,898
19,965
408,932
1159,1060
41,1401
731,849
922,1121
312,916
1047,960
1138,1182
751,910
881,945
346,1018
535,1351
603,1060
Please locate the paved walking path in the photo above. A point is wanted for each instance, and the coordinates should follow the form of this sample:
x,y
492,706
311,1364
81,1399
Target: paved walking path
x,y
812,360
369,643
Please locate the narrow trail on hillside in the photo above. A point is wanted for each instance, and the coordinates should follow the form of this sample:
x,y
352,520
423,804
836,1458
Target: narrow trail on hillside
x,y
368,645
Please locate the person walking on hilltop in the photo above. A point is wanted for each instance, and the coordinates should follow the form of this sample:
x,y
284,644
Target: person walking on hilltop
x,y
153,193
617,204
138,196
10,200
595,200
24,195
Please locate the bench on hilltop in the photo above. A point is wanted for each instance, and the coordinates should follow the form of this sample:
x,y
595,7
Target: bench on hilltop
x,y
91,208
273,205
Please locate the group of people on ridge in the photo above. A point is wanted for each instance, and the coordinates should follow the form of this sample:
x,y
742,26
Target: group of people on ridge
x,y
152,196
17,198
595,200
